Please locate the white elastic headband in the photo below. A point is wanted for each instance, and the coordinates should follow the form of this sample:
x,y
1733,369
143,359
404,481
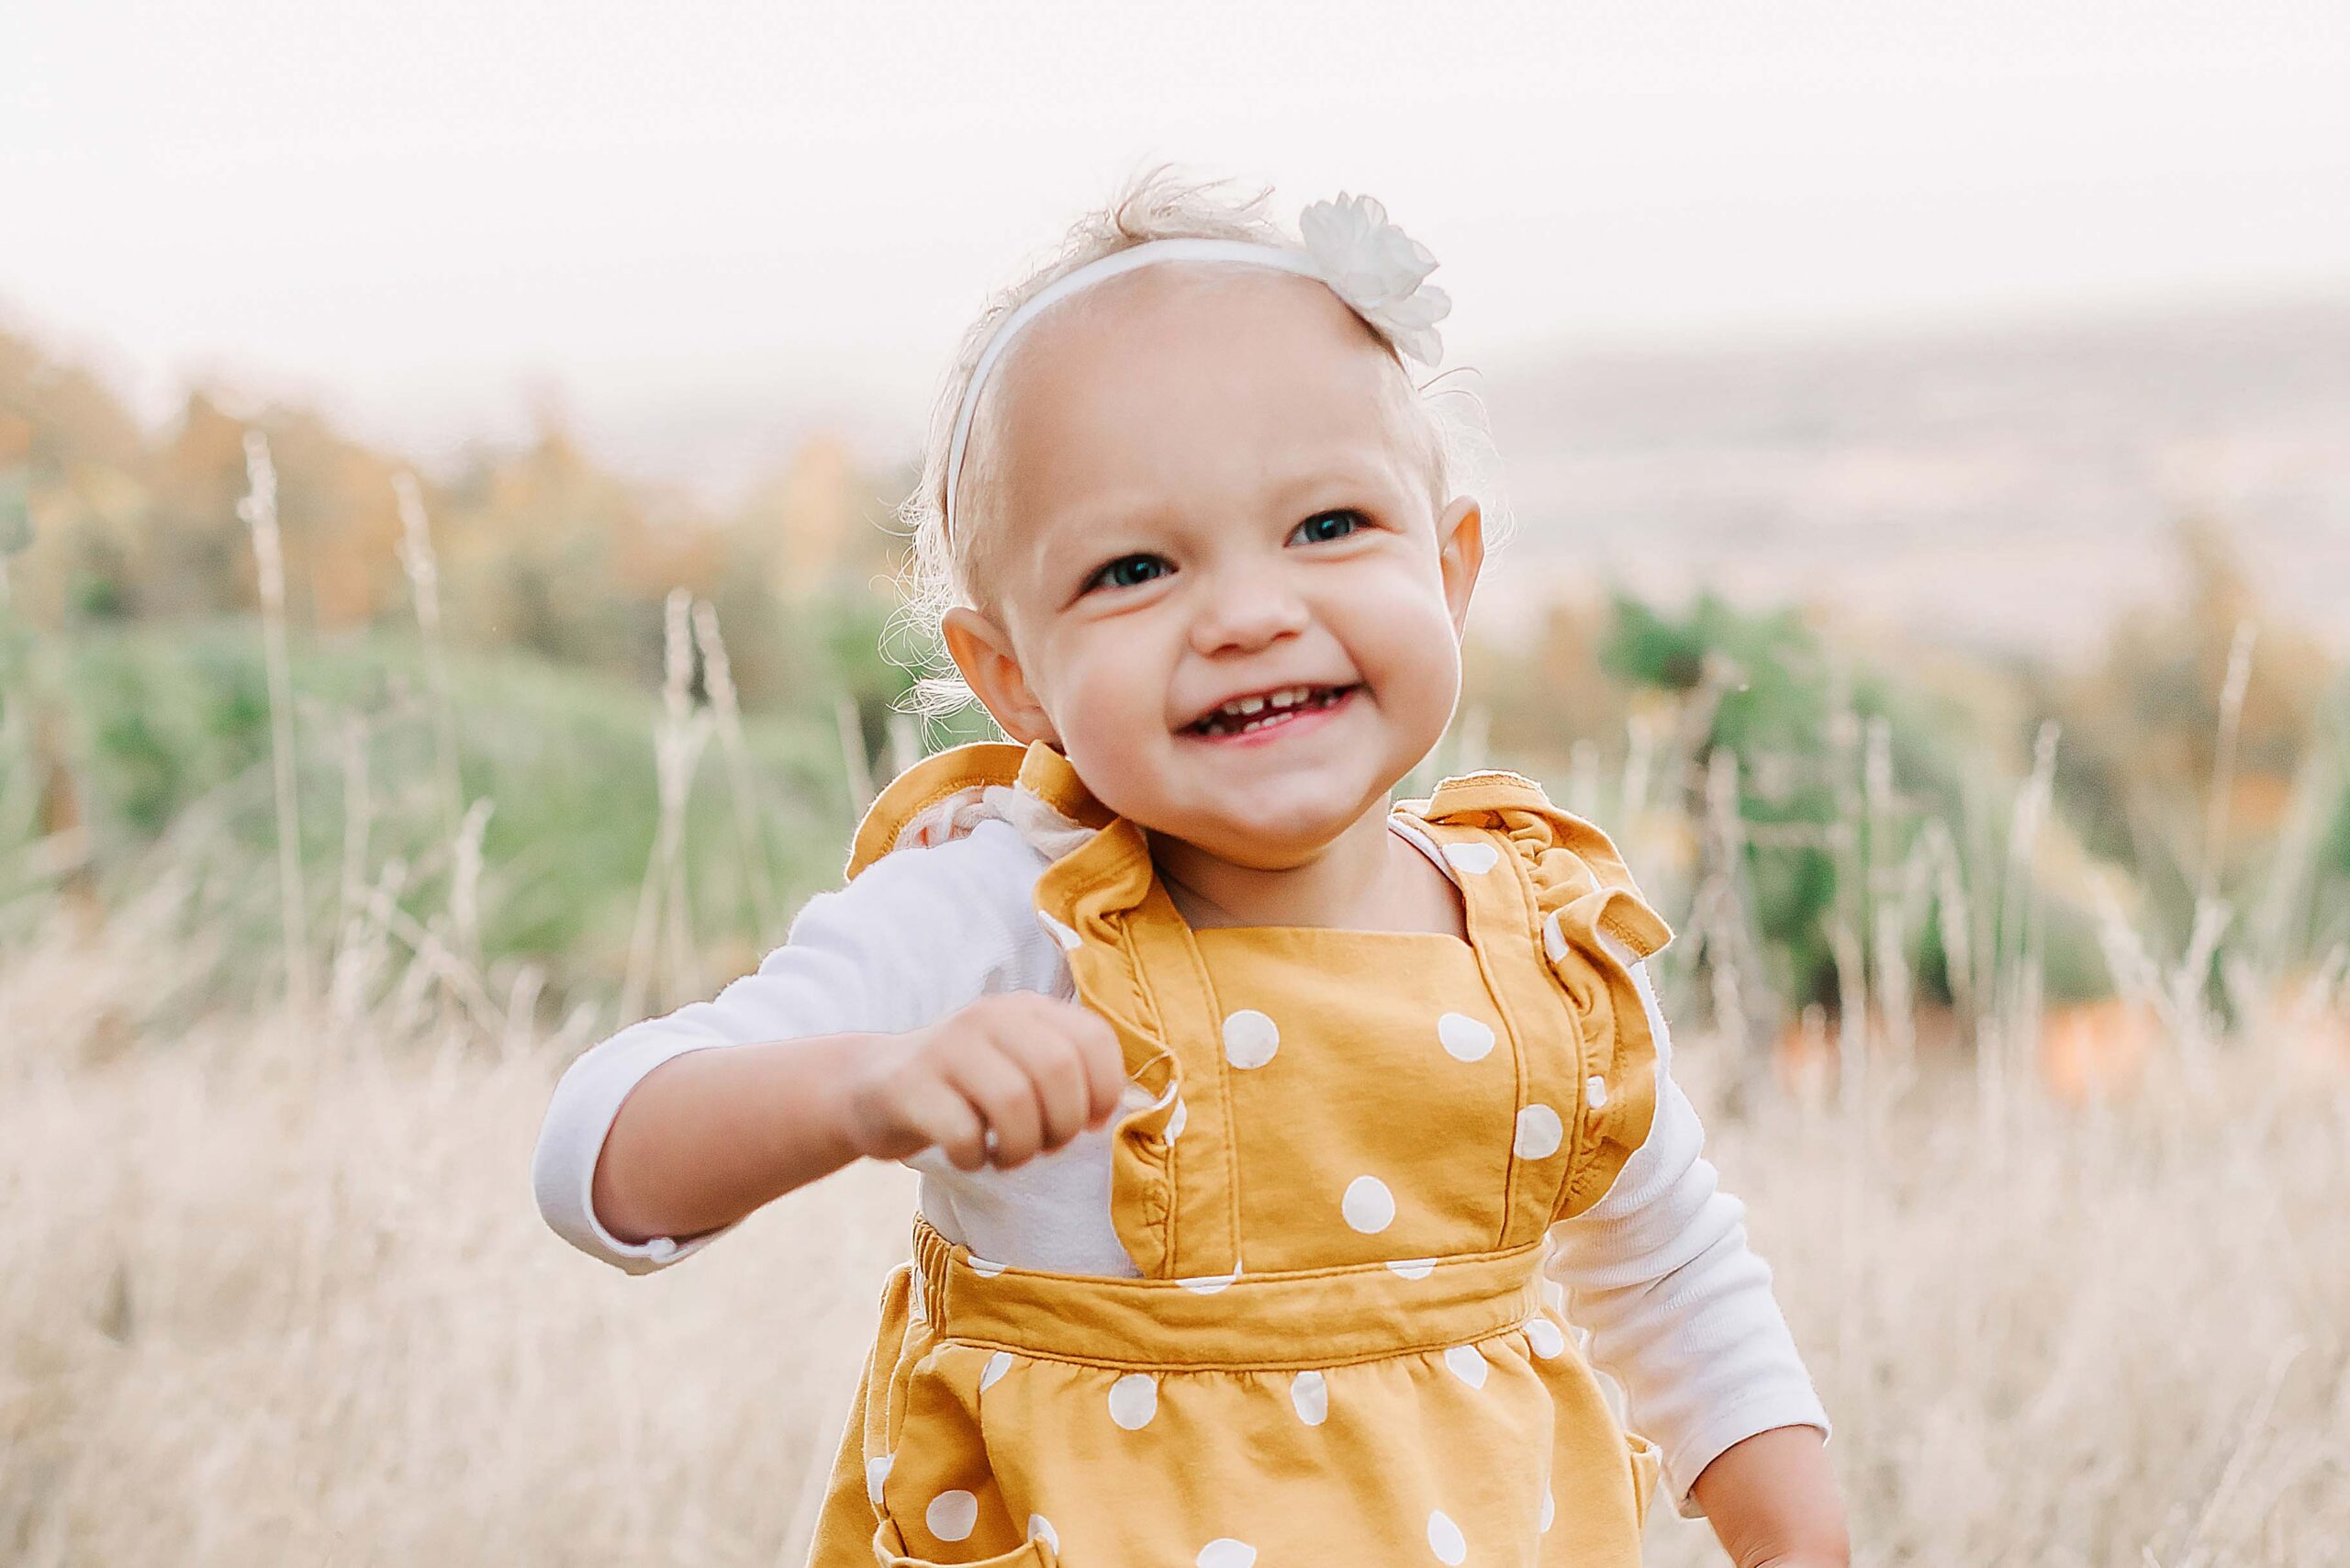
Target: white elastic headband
x,y
1349,246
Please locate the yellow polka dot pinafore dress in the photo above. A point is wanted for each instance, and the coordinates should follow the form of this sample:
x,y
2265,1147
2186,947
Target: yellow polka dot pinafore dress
x,y
1340,1351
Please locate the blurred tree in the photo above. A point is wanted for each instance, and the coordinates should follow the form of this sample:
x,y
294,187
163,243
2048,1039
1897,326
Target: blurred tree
x,y
538,548
2149,781
815,512
1821,846
1544,699
194,556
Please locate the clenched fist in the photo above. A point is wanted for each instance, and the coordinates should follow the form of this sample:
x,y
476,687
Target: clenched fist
x,y
998,1082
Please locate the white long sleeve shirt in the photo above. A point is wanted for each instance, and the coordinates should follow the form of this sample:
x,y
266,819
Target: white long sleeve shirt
x,y
1678,1309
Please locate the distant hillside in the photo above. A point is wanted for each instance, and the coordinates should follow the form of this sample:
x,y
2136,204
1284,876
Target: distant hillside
x,y
2016,485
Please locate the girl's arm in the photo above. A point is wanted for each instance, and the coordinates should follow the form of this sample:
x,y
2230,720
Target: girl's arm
x,y
1681,1313
699,1137
1773,1502
707,1137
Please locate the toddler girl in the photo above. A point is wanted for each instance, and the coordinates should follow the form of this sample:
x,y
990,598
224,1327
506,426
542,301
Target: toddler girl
x,y
1270,1135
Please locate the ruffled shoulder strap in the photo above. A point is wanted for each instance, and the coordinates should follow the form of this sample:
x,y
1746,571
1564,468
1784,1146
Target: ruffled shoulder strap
x,y
919,806
1575,891
1571,858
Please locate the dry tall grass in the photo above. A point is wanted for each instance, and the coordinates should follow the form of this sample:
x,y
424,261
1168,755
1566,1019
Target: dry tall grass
x,y
274,1293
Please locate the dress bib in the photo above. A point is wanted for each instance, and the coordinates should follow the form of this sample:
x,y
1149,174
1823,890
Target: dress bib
x,y
1341,1349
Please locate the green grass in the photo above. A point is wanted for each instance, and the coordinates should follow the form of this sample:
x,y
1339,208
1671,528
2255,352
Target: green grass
x,y
165,728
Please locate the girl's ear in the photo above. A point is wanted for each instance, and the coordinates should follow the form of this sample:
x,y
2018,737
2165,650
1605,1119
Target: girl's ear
x,y
1461,554
982,652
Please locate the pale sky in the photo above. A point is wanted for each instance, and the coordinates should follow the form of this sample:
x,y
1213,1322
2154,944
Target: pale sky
x,y
692,213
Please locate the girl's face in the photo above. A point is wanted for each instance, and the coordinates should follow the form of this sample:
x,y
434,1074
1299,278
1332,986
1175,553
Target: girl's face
x,y
1210,568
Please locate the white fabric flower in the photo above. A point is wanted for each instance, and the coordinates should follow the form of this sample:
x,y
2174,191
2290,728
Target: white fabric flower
x,y
1379,270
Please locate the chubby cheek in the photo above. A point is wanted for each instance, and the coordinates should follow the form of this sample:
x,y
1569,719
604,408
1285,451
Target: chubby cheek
x,y
1403,645
1110,714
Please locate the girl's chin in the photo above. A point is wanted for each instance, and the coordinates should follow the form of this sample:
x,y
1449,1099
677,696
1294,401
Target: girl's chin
x,y
1276,828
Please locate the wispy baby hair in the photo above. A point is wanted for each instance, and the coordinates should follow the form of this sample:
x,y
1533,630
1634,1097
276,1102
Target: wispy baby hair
x,y
1159,202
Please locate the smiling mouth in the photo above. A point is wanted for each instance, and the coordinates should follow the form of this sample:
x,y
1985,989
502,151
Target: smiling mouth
x,y
1246,715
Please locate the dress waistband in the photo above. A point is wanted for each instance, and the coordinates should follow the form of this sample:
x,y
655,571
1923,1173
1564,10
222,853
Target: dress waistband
x,y
1319,1317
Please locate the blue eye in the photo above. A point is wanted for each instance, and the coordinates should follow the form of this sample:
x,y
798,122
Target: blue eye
x,y
1128,571
1323,527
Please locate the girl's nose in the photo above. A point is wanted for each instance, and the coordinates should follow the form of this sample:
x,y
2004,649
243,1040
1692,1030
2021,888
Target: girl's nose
x,y
1243,612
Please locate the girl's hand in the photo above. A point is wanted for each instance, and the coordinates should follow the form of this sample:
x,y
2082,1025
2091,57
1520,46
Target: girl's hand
x,y
1032,1070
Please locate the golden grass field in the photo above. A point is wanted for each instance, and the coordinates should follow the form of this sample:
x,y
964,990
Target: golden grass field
x,y
275,1292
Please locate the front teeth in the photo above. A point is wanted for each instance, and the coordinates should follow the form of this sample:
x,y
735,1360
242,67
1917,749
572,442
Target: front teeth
x,y
1244,714
1279,702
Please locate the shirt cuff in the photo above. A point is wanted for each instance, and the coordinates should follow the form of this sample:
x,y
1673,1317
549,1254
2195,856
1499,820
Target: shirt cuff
x,y
563,1173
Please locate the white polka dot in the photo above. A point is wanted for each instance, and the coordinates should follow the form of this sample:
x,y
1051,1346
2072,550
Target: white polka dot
x,y
1544,1337
1225,1552
1594,1091
1250,1038
951,1515
997,1364
1463,1037
1175,1123
1467,1363
1413,1268
1208,1284
1368,1206
1539,1133
1041,1528
876,1470
985,1267
1549,1507
1068,939
1134,1400
1554,939
1445,1539
1310,1392
1476,859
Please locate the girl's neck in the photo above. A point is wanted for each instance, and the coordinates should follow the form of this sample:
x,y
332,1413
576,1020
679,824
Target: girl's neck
x,y
1367,879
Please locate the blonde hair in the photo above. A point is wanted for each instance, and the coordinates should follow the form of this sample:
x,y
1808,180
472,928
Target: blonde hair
x,y
1155,203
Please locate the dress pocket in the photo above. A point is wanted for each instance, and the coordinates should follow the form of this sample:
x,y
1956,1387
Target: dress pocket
x,y
889,1551
1648,1468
